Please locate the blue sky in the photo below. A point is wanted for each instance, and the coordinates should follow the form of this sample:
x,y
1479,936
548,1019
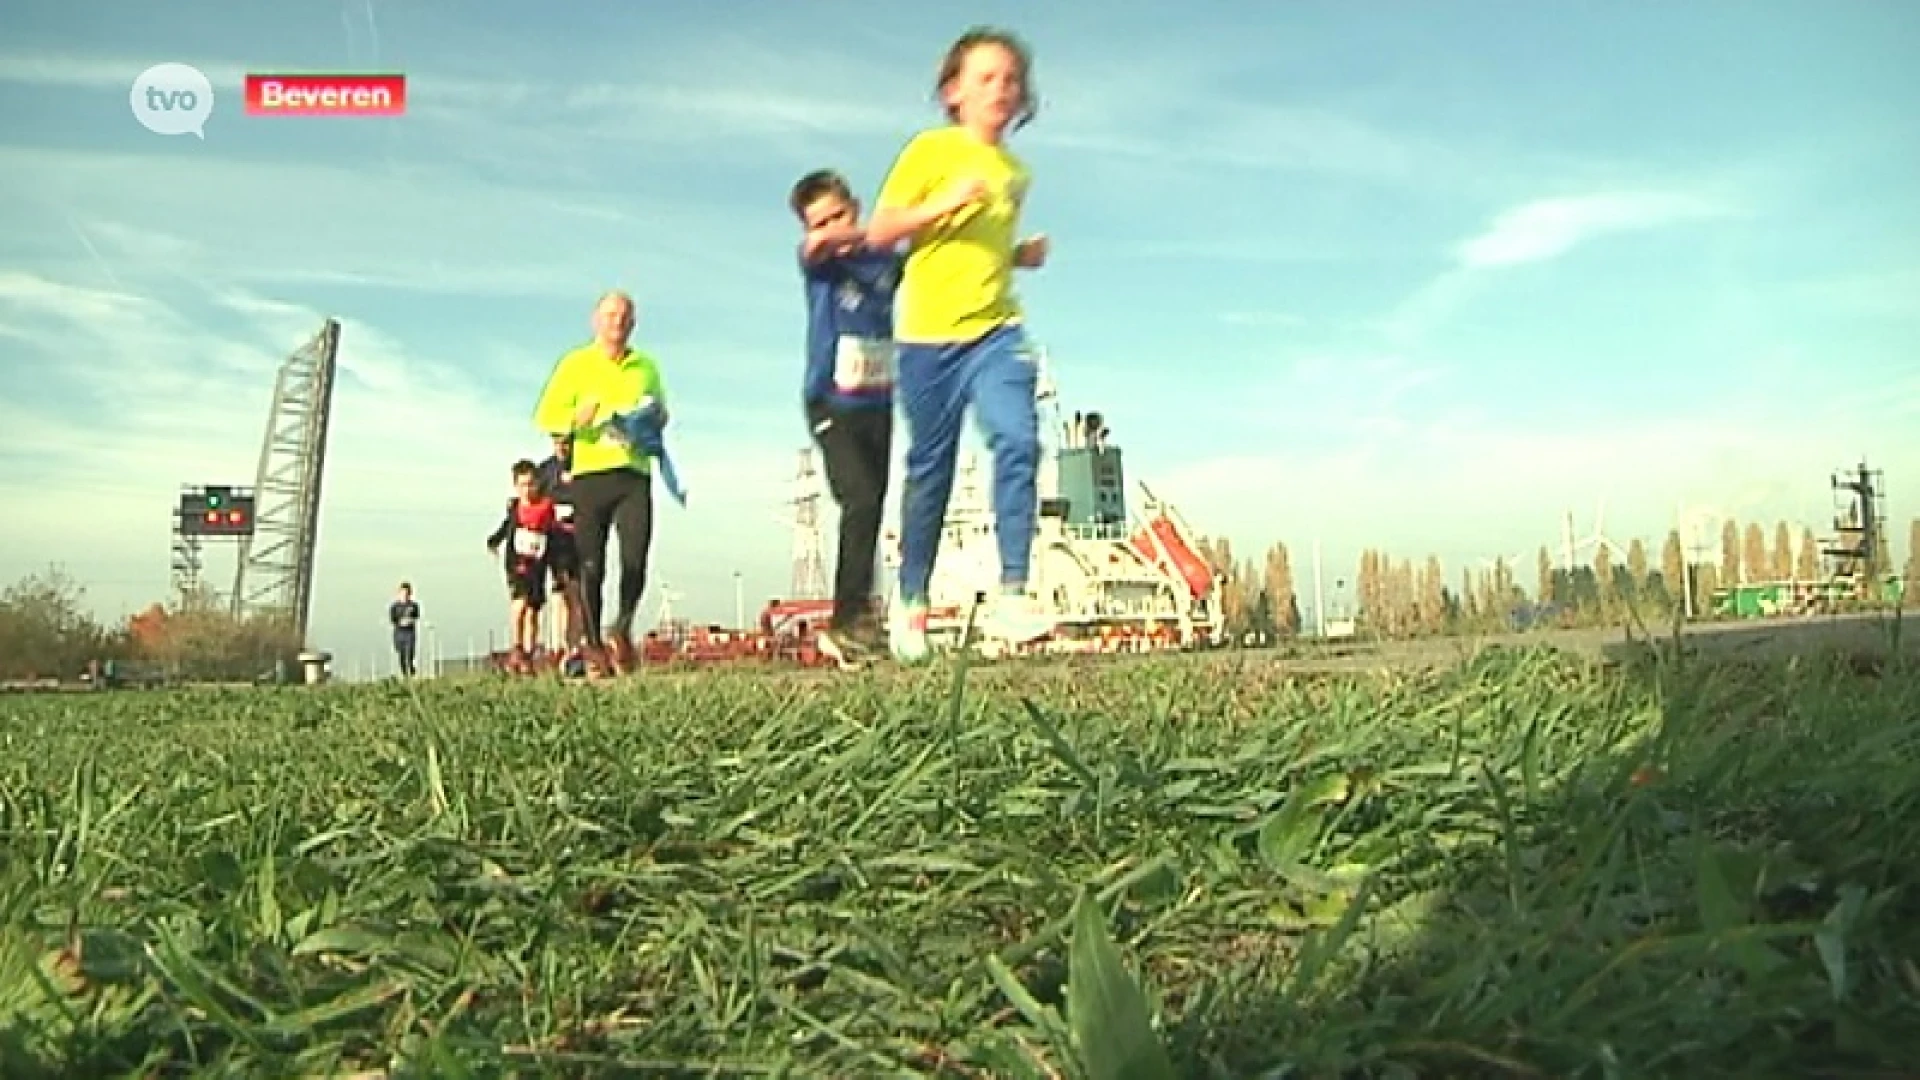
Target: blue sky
x,y
1424,281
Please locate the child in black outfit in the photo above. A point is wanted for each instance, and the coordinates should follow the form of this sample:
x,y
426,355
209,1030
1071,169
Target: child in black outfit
x,y
555,477
530,524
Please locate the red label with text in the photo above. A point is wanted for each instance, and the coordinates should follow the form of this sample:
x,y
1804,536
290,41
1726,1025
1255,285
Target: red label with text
x,y
326,95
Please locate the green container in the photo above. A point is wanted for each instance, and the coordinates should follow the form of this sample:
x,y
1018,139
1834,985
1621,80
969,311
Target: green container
x,y
1755,601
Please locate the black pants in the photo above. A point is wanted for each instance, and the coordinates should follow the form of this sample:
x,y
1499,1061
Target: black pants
x,y
619,501
856,447
403,644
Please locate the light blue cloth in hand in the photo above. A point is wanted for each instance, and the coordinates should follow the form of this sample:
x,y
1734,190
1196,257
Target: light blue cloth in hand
x,y
641,429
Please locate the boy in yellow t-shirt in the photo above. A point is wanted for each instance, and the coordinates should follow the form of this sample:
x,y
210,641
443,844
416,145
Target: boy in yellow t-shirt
x,y
955,193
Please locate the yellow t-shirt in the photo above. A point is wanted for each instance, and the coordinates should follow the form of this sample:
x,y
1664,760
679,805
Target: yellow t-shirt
x,y
958,281
587,374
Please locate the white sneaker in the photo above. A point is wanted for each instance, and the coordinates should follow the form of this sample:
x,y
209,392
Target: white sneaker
x,y
907,633
1016,619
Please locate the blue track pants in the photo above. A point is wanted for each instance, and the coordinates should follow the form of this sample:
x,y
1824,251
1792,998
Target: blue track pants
x,y
996,373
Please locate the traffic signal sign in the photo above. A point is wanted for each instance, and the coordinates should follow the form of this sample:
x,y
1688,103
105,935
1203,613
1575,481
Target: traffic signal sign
x,y
216,511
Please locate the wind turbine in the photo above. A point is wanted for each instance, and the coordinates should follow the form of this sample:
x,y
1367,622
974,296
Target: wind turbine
x,y
1497,562
1493,565
1591,544
668,594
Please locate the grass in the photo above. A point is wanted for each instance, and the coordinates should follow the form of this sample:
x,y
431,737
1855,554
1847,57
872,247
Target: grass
x,y
1522,867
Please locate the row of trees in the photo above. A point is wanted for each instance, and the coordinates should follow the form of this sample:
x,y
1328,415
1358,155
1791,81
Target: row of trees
x,y
1401,598
46,632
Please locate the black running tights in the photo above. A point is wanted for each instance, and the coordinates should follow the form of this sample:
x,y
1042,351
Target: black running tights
x,y
615,502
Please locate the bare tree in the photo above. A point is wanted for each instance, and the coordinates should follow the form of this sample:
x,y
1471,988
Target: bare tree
x,y
1673,567
45,631
1807,566
1494,605
1402,598
1280,591
1637,567
1603,583
1237,601
1431,602
1368,586
1782,552
1910,579
1706,584
1753,554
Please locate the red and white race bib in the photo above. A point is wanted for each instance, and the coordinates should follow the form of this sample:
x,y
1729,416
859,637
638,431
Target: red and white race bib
x,y
529,543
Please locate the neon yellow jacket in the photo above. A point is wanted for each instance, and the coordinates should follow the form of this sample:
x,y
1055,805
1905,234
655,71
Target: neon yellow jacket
x,y
614,386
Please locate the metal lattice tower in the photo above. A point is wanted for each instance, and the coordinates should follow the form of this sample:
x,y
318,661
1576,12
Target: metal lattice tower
x,y
275,572
809,558
1858,552
187,566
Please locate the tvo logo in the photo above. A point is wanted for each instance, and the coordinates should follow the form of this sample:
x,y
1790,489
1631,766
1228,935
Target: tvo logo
x,y
172,99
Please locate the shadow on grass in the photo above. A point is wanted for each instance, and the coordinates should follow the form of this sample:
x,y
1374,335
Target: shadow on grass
x,y
1694,866
1691,863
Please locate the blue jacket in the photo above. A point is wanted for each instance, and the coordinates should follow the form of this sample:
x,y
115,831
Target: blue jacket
x,y
641,429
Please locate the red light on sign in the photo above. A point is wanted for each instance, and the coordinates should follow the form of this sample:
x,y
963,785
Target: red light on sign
x,y
233,516
213,517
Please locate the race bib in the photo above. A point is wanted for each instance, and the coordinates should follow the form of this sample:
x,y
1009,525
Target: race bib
x,y
529,543
862,365
563,511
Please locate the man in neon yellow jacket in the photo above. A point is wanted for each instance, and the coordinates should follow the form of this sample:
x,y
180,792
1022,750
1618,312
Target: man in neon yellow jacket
x,y
589,391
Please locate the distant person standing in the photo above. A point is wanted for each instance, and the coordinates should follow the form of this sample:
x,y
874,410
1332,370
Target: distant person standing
x,y
612,479
404,614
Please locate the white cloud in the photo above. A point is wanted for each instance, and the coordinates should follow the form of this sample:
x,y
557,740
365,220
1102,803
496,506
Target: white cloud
x,y
741,111
709,100
1533,232
1355,386
1548,228
1178,110
431,231
1263,319
1183,130
93,72
1429,305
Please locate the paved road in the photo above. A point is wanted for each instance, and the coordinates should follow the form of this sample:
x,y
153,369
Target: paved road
x,y
1871,634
